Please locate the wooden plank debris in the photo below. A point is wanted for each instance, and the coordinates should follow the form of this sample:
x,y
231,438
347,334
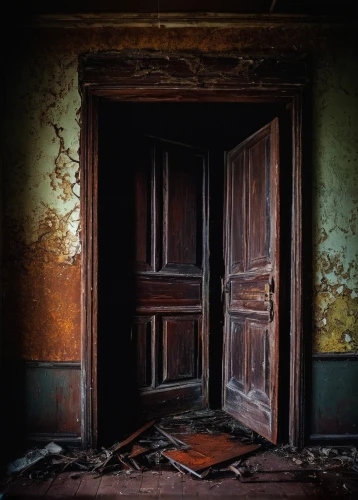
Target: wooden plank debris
x,y
133,436
205,451
190,444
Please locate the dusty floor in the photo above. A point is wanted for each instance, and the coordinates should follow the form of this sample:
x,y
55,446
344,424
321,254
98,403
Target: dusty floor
x,y
276,476
261,471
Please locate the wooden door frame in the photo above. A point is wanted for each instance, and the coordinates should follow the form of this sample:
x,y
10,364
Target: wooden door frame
x,y
150,76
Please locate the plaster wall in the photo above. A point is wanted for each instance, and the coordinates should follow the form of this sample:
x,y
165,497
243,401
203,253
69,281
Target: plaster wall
x,y
40,145
335,200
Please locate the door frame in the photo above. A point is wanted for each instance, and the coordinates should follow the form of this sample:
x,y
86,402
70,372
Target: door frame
x,y
150,76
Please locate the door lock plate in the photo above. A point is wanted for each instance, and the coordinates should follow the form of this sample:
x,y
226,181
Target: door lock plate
x,y
268,300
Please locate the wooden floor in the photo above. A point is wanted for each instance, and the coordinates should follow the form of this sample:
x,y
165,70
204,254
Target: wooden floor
x,y
276,478
165,484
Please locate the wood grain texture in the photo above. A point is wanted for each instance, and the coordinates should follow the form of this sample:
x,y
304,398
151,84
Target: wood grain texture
x,y
272,82
174,282
251,331
222,71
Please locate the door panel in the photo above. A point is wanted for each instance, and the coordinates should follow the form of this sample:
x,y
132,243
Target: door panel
x,y
144,216
169,288
143,336
180,334
236,219
182,211
258,194
158,292
250,370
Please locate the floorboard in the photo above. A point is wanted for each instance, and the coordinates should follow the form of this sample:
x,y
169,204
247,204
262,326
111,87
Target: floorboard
x,y
26,488
130,484
170,485
65,485
150,485
88,487
195,487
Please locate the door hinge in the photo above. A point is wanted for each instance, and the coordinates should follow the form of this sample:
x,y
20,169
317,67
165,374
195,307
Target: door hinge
x,y
268,299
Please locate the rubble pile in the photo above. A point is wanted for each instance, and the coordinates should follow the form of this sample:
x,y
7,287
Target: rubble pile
x,y
204,443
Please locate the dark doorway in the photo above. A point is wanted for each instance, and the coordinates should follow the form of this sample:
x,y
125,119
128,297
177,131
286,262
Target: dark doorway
x,y
132,326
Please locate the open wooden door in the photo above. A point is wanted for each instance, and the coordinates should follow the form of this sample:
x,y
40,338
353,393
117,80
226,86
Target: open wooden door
x,y
170,326
251,282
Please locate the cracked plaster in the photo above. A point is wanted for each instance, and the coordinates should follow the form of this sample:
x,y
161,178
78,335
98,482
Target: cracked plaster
x,y
41,145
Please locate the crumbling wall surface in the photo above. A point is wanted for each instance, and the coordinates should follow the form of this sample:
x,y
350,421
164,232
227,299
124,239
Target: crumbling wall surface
x,y
335,198
42,247
41,145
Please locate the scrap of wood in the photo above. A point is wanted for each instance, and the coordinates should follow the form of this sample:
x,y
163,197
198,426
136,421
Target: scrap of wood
x,y
182,468
128,440
133,436
138,450
172,439
235,471
121,459
103,465
132,461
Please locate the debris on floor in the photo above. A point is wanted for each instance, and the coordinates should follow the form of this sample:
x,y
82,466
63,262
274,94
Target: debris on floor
x,y
32,457
203,451
206,444
321,457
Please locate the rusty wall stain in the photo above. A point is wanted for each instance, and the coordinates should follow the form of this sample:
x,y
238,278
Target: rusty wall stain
x,y
42,309
42,306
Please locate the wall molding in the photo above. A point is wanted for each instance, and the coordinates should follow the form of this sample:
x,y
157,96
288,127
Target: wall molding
x,y
334,413
335,438
54,364
53,401
181,20
335,355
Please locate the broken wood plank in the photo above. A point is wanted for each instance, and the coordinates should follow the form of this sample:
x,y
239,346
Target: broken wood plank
x,y
138,450
124,443
172,439
123,462
133,436
134,463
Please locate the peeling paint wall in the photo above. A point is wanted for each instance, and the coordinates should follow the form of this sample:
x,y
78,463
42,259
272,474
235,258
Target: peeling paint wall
x,y
41,146
42,219
335,214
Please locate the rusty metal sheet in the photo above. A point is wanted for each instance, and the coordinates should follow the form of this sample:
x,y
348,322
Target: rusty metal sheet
x,y
207,450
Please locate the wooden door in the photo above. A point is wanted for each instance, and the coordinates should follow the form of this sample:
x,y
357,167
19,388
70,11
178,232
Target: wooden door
x,y
251,282
169,330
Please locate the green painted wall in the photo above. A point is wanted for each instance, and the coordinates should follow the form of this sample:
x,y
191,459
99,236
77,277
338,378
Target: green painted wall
x,y
335,199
